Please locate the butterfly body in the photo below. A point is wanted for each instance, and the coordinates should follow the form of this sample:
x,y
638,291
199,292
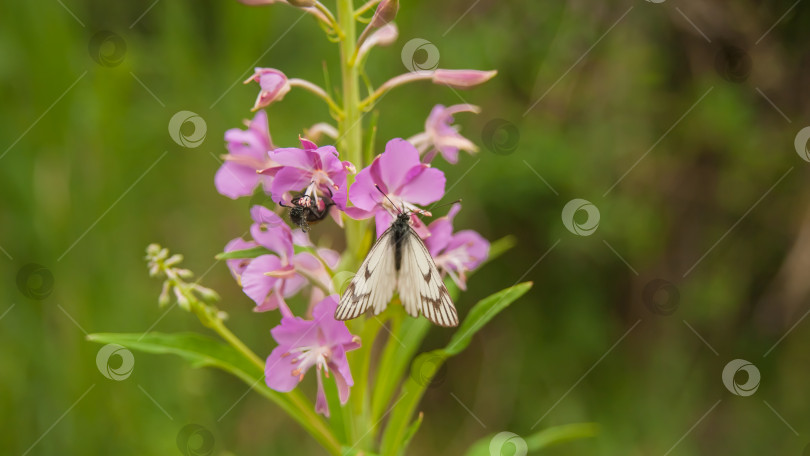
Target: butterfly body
x,y
398,261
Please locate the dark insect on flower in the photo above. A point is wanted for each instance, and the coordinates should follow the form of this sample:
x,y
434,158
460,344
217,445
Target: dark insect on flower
x,y
306,210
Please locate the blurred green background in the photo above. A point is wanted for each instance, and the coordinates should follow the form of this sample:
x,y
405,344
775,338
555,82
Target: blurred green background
x,y
718,208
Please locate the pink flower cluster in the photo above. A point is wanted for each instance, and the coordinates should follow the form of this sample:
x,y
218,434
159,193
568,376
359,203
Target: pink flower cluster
x,y
291,264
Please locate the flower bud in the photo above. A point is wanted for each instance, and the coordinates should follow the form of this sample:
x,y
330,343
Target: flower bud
x,y
302,3
273,86
386,12
462,79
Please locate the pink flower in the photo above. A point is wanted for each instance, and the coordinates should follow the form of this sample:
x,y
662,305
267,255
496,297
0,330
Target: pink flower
x,y
273,86
455,254
405,181
321,342
315,170
247,153
270,278
440,136
237,266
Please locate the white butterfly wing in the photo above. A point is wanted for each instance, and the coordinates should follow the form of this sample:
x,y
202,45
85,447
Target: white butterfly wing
x,y
420,285
373,285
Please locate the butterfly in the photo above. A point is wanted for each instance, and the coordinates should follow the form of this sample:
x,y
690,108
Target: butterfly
x,y
400,261
305,210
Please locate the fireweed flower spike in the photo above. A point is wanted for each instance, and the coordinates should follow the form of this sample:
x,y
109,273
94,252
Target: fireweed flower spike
x,y
277,263
247,153
321,343
455,254
441,136
405,181
270,278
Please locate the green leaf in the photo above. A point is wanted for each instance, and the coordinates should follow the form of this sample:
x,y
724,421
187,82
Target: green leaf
x,y
543,439
252,252
411,431
482,313
196,348
204,351
414,388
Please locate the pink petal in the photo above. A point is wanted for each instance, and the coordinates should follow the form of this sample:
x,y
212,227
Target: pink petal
x,y
462,79
298,158
237,266
270,231
234,180
256,284
278,370
382,221
475,245
362,193
342,373
399,157
289,179
296,332
321,404
306,144
331,257
425,188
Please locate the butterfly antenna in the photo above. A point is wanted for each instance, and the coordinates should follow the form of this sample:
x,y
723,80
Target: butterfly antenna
x,y
447,204
389,200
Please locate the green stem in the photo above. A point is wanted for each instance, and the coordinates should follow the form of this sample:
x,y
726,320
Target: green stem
x,y
350,126
236,343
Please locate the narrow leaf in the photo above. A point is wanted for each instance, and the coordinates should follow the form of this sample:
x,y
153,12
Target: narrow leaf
x,y
204,351
252,252
482,313
541,440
